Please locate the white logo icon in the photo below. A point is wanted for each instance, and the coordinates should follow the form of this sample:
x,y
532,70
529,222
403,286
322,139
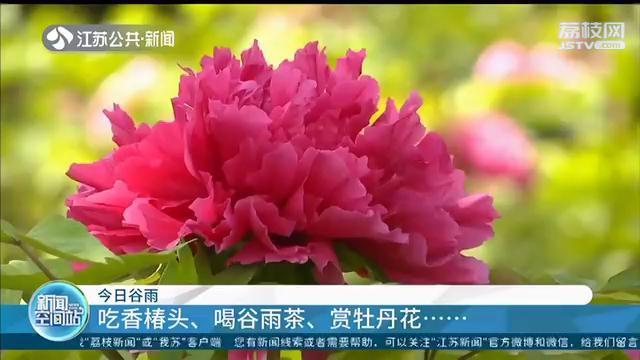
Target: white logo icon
x,y
59,37
591,36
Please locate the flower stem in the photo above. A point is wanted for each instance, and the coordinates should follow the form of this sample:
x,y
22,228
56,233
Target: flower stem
x,y
35,259
109,354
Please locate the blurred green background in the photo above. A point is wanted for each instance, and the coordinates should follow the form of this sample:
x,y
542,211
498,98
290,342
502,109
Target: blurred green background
x,y
579,218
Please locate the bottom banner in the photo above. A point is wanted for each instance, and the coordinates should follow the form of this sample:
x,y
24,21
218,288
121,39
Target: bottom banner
x,y
60,323
332,342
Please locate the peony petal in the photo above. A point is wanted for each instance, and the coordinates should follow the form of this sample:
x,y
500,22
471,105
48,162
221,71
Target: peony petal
x,y
460,270
160,230
475,214
247,355
315,354
275,178
284,83
327,266
350,66
123,127
253,63
98,175
313,63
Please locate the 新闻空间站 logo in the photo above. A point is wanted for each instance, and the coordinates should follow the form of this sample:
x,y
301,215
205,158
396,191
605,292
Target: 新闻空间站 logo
x,y
58,311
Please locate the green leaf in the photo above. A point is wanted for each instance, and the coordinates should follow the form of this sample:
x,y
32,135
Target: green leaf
x,y
181,269
615,298
67,239
353,261
8,233
122,266
235,275
26,276
506,276
8,296
626,281
151,279
203,264
561,278
126,354
284,273
353,278
290,355
220,355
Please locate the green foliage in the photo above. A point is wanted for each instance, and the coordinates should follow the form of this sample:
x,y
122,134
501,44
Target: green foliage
x,y
8,296
353,278
8,233
352,261
284,273
235,274
505,276
625,281
181,269
26,276
622,288
121,267
203,264
67,239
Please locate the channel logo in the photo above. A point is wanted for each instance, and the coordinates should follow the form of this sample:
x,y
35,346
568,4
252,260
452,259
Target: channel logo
x,y
57,37
58,311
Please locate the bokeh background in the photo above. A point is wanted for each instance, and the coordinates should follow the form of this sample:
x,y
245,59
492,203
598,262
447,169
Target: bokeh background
x,y
553,135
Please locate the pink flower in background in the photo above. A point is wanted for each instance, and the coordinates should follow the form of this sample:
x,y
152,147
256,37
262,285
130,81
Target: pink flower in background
x,y
282,163
511,61
494,145
502,60
633,354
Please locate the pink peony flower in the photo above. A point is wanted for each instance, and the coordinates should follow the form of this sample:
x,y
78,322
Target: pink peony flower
x,y
511,61
284,163
496,146
503,60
